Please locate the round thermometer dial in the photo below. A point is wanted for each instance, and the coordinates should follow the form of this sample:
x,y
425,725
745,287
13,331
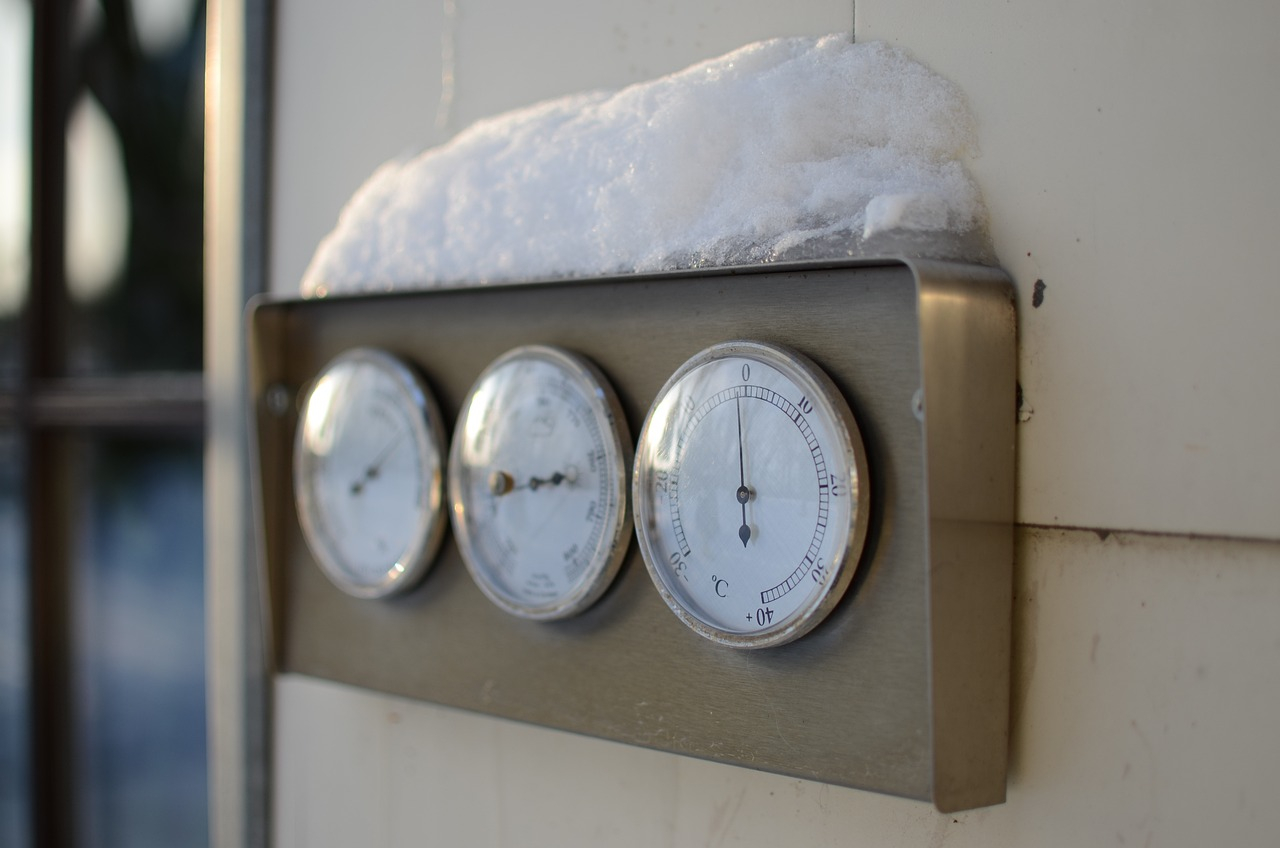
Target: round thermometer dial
x,y
538,483
368,473
750,494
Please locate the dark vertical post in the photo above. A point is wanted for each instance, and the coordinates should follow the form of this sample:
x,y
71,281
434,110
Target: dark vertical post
x,y
49,641
259,87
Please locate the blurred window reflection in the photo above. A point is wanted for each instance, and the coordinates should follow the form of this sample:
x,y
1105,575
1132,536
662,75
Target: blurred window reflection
x,y
14,795
15,177
97,203
138,613
102,695
135,174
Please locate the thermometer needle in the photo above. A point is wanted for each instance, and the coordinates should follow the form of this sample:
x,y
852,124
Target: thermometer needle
x,y
743,493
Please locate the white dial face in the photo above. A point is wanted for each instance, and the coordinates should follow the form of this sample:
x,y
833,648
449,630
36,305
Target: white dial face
x,y
538,483
368,473
750,494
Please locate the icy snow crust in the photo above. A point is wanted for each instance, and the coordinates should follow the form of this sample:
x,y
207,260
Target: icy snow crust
x,y
788,149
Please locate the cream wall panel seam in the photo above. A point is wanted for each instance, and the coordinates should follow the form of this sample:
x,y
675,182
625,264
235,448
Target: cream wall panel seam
x,y
1125,165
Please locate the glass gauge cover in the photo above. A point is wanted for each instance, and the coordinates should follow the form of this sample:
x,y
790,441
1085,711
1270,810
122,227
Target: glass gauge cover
x,y
750,494
538,483
368,473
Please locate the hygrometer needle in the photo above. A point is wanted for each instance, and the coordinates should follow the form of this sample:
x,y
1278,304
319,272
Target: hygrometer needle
x,y
372,471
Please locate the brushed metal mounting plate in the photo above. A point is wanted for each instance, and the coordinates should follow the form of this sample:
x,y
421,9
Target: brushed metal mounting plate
x,y
903,689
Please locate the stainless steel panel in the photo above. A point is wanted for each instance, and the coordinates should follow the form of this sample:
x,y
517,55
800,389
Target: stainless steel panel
x,y
903,689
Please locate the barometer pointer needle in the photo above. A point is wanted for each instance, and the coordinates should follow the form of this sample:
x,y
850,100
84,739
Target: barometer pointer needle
x,y
555,480
743,493
501,482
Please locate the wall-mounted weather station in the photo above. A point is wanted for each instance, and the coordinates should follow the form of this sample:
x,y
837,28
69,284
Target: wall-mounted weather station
x,y
802,563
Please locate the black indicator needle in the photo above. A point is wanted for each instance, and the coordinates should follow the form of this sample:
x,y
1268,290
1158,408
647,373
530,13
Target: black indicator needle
x,y
570,476
371,472
743,493
555,480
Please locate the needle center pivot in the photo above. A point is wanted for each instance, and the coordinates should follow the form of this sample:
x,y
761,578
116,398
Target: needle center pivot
x,y
500,482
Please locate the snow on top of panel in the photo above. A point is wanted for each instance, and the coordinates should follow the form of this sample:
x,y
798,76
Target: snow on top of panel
x,y
790,149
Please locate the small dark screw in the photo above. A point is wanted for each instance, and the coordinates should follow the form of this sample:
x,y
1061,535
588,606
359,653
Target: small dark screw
x,y
277,399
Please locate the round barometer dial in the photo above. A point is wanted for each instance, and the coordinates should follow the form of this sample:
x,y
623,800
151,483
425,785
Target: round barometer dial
x,y
538,483
750,494
369,473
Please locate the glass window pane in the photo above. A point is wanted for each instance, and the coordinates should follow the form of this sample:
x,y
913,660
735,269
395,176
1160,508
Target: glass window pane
x,y
15,825
138,609
15,177
134,204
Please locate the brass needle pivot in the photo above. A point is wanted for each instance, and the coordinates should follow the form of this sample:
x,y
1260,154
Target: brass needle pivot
x,y
500,482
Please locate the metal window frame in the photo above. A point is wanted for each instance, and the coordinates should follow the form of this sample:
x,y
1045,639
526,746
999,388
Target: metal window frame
x,y
237,144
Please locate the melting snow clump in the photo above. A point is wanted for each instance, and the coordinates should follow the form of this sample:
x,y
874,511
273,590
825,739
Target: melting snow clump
x,y
791,149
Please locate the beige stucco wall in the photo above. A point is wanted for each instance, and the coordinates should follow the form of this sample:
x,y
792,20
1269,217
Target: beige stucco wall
x,y
1126,160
